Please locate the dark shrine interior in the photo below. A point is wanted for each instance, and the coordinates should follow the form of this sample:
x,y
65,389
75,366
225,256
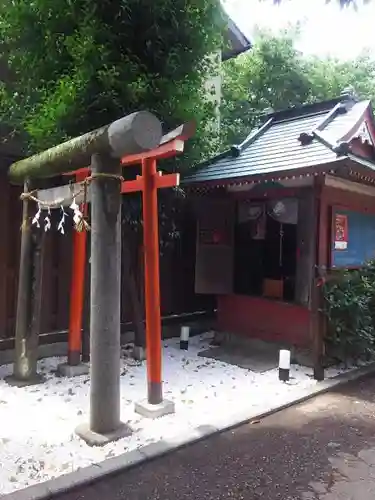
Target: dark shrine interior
x,y
271,256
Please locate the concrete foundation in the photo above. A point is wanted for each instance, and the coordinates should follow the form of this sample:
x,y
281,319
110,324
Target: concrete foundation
x,y
145,409
96,439
65,370
61,348
139,353
15,382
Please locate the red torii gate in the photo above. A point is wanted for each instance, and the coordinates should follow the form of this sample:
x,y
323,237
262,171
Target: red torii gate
x,y
148,183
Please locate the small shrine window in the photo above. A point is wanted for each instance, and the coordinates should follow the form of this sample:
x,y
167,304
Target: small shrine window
x,y
265,249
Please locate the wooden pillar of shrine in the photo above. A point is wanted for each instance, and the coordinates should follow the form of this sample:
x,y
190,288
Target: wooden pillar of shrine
x,y
74,366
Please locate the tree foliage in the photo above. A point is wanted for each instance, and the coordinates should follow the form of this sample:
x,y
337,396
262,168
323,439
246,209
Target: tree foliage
x,y
342,3
76,65
269,76
79,64
276,75
349,307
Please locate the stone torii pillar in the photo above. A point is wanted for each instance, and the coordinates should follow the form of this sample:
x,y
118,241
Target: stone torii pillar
x,y
148,184
102,148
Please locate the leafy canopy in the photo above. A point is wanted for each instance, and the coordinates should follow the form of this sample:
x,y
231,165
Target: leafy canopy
x,y
79,64
342,3
276,75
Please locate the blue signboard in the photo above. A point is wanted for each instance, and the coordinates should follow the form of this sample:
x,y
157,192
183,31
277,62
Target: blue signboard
x,y
357,242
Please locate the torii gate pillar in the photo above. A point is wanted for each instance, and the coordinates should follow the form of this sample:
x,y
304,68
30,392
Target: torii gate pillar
x,y
155,405
149,183
74,366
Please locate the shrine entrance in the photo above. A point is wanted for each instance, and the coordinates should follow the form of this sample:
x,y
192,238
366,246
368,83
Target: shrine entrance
x,y
265,249
134,139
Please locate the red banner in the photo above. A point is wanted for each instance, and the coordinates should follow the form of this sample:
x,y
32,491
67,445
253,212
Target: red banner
x,y
341,232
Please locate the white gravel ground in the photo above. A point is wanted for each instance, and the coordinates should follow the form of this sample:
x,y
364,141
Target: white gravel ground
x,y
37,439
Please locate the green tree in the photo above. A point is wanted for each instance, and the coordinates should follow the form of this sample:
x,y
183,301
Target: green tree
x,y
276,75
269,76
342,3
328,77
78,64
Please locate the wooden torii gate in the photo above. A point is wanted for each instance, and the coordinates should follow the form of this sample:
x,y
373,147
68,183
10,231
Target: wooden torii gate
x,y
135,139
148,184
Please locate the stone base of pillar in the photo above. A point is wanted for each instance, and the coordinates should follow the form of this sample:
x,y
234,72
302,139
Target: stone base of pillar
x,y
139,353
16,382
148,410
66,370
96,439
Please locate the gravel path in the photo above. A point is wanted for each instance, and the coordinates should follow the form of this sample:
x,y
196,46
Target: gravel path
x,y
37,435
320,450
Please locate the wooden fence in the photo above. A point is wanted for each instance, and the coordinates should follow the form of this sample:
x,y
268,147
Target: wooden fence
x,y
176,269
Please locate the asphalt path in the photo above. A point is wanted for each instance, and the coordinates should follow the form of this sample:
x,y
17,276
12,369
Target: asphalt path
x,y
323,449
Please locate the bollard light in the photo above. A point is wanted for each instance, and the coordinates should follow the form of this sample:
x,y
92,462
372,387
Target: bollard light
x,y
284,365
184,338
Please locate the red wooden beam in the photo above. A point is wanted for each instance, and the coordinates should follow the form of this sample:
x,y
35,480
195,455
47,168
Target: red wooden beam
x,y
183,132
166,150
167,181
132,186
161,181
81,172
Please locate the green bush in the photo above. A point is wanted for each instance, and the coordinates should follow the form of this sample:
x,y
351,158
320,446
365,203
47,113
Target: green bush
x,y
350,308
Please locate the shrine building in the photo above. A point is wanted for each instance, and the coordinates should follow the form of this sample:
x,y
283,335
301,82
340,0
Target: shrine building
x,y
276,214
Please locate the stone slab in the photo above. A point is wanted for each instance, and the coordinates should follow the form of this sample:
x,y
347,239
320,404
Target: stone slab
x,y
96,439
15,382
173,443
145,409
35,492
121,462
65,370
75,479
255,360
139,353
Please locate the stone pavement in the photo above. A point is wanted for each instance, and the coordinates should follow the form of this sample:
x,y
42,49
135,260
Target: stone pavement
x,y
323,449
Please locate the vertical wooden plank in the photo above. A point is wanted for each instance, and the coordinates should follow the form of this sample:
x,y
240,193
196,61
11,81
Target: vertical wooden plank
x,y
47,320
177,290
86,306
324,256
316,325
190,301
126,313
4,245
64,274
306,246
167,294
215,242
36,298
13,244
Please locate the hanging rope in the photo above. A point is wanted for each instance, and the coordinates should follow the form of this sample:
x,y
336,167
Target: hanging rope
x,y
79,218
